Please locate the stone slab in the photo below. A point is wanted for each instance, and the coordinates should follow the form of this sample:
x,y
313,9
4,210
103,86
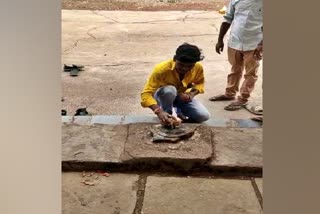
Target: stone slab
x,y
216,122
199,195
243,123
98,143
114,194
259,182
139,146
66,119
241,147
82,120
107,119
140,119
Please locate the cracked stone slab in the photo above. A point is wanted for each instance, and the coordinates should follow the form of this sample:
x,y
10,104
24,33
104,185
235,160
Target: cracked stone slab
x,y
240,147
140,119
107,119
82,120
66,119
199,195
95,143
140,148
259,182
113,194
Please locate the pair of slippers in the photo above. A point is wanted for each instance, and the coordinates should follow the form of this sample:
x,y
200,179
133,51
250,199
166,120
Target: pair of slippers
x,y
257,110
79,112
231,107
73,69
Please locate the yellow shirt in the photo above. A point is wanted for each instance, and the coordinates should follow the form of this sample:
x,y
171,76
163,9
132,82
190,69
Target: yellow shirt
x,y
164,74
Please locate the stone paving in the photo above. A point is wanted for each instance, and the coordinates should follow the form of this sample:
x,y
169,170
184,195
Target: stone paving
x,y
127,119
156,194
115,194
209,147
119,50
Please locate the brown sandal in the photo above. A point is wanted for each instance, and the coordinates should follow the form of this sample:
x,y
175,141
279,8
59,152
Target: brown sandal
x,y
221,97
235,106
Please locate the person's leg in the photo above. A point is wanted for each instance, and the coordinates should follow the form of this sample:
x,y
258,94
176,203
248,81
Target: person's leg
x,y
235,58
250,77
194,110
251,66
165,97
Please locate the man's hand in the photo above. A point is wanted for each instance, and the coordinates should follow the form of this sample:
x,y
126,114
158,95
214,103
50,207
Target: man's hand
x,y
165,118
219,47
186,97
257,54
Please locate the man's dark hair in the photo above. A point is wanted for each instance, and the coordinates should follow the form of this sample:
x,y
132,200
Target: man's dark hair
x,y
188,53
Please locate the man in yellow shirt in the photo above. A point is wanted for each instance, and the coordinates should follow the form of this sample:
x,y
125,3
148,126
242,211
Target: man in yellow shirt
x,y
175,83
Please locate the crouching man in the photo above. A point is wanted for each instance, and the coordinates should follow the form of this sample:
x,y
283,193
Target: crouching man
x,y
174,84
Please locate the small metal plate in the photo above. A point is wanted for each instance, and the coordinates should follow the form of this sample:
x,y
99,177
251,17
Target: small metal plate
x,y
161,133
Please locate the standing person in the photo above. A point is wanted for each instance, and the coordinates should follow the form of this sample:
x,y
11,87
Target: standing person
x,y
245,19
175,83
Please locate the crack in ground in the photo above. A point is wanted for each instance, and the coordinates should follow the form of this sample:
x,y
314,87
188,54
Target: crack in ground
x,y
213,146
96,13
74,45
215,27
142,181
156,21
120,64
257,191
187,16
191,35
169,20
89,34
124,152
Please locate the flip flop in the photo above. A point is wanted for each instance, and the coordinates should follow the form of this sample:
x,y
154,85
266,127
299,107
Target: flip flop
x,y
81,112
234,106
74,72
221,97
68,68
257,110
258,119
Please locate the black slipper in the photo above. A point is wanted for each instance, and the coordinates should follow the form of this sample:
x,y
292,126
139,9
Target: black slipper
x,y
68,68
74,72
81,112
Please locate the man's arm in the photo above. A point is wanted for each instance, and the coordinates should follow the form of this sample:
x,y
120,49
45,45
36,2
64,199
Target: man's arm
x,y
223,30
147,99
228,18
257,54
197,86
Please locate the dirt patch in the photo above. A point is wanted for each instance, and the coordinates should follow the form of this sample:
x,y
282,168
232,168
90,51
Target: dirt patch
x,y
143,5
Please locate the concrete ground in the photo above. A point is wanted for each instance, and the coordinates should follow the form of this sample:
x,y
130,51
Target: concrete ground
x,y
120,48
91,192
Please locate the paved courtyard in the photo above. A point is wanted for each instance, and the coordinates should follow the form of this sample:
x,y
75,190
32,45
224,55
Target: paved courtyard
x,y
120,48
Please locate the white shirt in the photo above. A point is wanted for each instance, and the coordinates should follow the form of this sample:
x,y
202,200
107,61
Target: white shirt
x,y
245,17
